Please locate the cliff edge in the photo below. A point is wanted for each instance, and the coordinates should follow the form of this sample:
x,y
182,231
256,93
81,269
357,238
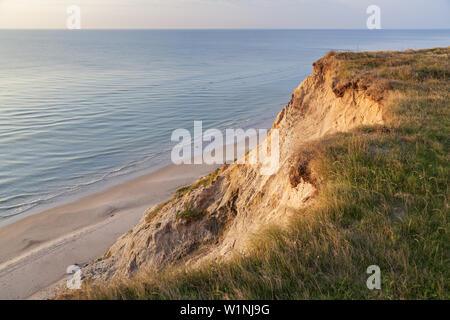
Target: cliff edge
x,y
344,181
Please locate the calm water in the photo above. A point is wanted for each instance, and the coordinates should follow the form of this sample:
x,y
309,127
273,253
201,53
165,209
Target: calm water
x,y
80,109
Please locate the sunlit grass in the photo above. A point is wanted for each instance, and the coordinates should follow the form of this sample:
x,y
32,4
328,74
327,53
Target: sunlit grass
x,y
383,201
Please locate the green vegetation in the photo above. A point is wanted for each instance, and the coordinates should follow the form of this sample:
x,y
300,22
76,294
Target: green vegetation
x,y
383,202
189,214
149,216
203,182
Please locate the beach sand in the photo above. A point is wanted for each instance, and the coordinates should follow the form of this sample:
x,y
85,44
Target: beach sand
x,y
36,251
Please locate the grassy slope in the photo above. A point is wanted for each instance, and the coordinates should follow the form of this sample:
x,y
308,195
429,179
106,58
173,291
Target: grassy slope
x,y
383,201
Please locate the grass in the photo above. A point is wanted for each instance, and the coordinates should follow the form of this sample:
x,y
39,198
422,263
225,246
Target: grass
x,y
383,201
189,214
203,182
151,214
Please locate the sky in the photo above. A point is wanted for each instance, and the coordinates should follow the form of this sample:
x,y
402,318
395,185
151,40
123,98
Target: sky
x,y
224,14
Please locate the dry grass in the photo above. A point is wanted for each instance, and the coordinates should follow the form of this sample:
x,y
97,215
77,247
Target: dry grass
x,y
383,201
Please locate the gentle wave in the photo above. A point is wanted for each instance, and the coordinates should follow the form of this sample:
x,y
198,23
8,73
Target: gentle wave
x,y
81,110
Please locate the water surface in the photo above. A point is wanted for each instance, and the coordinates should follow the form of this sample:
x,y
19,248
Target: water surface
x,y
79,109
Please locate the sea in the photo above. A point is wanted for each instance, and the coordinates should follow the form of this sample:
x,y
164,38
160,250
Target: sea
x,y
82,110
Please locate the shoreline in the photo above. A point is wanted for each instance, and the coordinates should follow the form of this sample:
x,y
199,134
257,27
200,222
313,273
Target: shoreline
x,y
41,246
81,228
83,192
264,122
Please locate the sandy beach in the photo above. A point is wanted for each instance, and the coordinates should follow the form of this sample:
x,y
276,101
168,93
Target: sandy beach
x,y
35,251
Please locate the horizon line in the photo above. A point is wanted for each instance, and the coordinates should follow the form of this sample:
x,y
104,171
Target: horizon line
x,y
224,29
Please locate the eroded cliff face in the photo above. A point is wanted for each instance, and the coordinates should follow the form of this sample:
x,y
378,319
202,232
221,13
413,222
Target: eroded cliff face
x,y
218,217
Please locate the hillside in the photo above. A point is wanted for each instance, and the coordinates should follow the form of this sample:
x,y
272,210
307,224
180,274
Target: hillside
x,y
363,181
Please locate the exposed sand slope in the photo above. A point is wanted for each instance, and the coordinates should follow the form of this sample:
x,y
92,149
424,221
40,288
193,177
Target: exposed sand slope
x,y
240,201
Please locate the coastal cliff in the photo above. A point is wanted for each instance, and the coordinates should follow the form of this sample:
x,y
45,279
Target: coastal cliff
x,y
342,198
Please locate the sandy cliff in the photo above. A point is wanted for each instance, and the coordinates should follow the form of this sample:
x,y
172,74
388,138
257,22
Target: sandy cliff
x,y
216,217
